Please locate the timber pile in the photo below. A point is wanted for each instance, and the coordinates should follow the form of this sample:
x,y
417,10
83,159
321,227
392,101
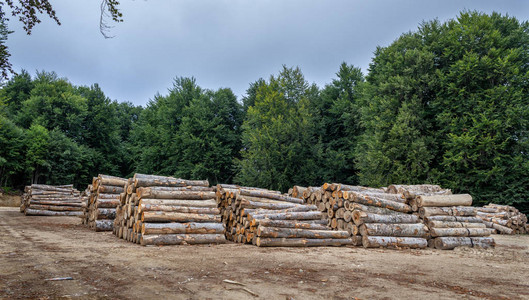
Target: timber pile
x,y
453,222
160,210
49,200
373,217
503,219
268,219
104,199
85,199
412,192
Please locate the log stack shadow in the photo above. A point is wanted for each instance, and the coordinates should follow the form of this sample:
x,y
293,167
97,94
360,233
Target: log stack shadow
x,y
49,200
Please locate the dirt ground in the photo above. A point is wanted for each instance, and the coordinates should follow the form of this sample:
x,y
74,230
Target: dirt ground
x,y
9,200
33,249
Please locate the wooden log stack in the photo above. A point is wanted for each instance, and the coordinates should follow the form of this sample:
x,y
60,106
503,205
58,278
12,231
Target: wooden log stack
x,y
373,217
412,192
49,200
103,201
160,210
85,200
269,219
504,219
452,222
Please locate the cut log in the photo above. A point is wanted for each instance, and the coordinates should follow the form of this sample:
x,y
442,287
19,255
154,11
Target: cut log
x,y
317,224
453,219
182,209
311,215
185,195
111,180
390,241
449,243
35,212
438,232
378,202
444,200
394,230
110,189
447,211
175,202
274,206
443,224
301,242
275,232
269,195
55,207
108,203
502,229
179,239
360,217
179,228
164,216
103,225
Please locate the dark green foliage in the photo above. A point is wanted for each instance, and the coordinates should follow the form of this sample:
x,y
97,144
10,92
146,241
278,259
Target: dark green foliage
x,y
336,118
448,104
278,134
190,133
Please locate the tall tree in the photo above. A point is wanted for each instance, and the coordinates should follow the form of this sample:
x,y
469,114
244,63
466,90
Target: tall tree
x,y
448,104
278,134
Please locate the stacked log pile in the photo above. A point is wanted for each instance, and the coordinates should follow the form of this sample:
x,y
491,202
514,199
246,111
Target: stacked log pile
x,y
373,217
412,192
452,222
268,218
504,219
48,200
103,201
159,210
85,200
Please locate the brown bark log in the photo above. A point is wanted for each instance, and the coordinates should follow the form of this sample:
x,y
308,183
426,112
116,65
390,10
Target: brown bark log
x,y
110,189
394,230
301,242
462,211
187,195
175,202
179,239
317,224
163,216
276,232
502,229
56,203
55,207
453,219
269,195
111,180
105,213
389,241
360,217
107,196
181,209
371,201
310,215
275,206
179,228
107,203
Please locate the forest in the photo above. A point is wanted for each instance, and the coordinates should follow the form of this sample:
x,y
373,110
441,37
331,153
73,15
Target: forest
x,y
446,104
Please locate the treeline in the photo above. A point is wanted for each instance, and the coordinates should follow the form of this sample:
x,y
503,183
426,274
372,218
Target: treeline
x,y
446,104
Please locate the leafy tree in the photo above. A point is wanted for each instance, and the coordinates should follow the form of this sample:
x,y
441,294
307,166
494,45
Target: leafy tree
x,y
336,117
16,91
448,104
278,134
37,146
209,137
11,151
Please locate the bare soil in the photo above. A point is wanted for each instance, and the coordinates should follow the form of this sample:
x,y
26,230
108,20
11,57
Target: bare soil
x,y
33,249
9,200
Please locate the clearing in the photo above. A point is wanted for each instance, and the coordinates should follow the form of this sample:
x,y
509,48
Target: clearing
x,y
33,249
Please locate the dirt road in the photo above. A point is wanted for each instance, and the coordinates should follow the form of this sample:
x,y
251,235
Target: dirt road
x,y
33,249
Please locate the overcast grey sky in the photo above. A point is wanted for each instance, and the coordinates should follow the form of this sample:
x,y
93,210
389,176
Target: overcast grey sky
x,y
222,43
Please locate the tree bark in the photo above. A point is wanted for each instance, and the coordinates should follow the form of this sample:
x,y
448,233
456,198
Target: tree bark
x,y
275,232
301,242
390,241
176,202
444,200
180,239
269,195
394,230
187,195
35,212
179,228
449,243
360,217
317,225
439,232
181,209
443,224
311,215
163,216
